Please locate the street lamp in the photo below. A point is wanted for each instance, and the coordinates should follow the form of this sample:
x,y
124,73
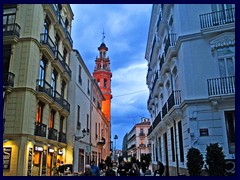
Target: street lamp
x,y
84,132
115,154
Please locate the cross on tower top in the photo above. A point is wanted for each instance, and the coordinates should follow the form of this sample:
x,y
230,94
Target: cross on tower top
x,y
103,33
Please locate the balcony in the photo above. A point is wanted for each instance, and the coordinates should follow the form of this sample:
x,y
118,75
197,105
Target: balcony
x,y
48,95
52,134
157,120
62,66
221,86
101,142
8,79
45,91
217,18
48,45
60,26
40,129
150,129
170,42
62,137
174,99
68,41
11,30
141,134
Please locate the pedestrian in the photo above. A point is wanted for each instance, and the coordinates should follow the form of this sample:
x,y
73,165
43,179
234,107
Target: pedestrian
x,y
144,167
61,169
123,168
160,169
95,169
134,171
87,171
110,171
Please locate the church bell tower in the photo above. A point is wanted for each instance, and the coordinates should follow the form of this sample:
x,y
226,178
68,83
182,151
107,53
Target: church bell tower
x,y
103,74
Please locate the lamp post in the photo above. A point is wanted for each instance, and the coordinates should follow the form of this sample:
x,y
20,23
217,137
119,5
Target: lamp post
x,y
115,151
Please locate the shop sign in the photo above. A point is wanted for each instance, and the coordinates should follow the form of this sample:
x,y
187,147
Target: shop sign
x,y
7,157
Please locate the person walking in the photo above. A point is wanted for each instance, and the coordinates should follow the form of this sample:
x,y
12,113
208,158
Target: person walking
x,y
144,167
61,169
110,171
134,171
87,171
160,169
122,168
95,169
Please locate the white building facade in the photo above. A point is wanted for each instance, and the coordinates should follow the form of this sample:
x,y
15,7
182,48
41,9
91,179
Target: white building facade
x,y
79,119
191,79
137,140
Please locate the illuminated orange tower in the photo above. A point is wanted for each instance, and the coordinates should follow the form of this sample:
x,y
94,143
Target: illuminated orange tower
x,y
103,74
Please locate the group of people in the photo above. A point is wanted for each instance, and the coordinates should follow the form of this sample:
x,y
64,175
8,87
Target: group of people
x,y
124,168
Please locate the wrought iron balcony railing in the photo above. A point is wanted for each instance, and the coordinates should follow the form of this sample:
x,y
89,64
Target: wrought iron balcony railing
x,y
59,57
46,39
11,29
40,129
62,137
52,134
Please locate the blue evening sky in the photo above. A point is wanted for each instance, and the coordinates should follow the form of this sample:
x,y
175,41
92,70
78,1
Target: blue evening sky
x,y
126,31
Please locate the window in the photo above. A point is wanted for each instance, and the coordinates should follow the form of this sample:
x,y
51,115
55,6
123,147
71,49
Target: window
x,y
230,126
63,88
226,60
53,83
9,17
88,90
87,121
57,42
61,124
223,13
52,117
6,60
180,141
172,145
105,83
80,74
78,118
39,115
96,131
160,148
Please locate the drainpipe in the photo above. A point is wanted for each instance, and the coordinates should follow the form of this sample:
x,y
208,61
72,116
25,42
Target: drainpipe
x,y
177,170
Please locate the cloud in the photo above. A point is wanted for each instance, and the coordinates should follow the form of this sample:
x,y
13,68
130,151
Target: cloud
x,y
126,28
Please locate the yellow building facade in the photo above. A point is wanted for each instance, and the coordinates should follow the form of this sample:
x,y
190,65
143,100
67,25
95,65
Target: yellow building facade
x,y
36,48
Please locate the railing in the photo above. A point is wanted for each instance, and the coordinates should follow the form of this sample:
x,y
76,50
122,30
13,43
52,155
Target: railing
x,y
40,129
157,120
221,86
59,57
11,29
217,18
141,134
150,129
8,79
69,38
171,41
52,134
46,39
62,137
174,99
44,86
164,110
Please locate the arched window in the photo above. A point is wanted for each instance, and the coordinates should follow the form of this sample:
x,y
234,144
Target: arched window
x,y
105,83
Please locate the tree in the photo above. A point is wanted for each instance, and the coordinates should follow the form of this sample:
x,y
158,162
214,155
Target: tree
x,y
194,162
215,160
